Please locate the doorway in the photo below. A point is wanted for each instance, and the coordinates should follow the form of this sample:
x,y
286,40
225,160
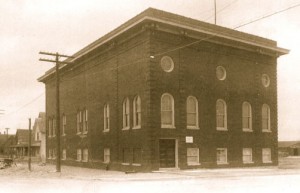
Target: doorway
x,y
167,153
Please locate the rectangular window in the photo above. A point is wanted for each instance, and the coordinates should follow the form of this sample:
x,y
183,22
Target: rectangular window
x,y
126,155
85,121
78,154
106,117
221,155
64,154
85,155
247,155
266,155
64,123
137,155
106,157
193,156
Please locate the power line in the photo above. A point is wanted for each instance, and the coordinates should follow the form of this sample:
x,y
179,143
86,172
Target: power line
x,y
32,101
266,16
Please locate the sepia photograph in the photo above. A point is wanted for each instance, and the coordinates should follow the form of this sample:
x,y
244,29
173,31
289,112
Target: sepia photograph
x,y
100,96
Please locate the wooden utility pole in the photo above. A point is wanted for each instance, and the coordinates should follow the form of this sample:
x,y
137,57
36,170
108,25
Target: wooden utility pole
x,y
57,64
215,12
29,146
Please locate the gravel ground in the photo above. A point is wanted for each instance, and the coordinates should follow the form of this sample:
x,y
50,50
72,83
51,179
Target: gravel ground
x,y
288,165
285,177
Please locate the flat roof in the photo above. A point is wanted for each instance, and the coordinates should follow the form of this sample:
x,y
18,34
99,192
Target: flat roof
x,y
175,20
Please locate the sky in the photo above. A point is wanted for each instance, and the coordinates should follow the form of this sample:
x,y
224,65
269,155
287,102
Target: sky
x,y
66,26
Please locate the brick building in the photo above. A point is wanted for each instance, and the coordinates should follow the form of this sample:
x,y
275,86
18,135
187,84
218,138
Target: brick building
x,y
166,91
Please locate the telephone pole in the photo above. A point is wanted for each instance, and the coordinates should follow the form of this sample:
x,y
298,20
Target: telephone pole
x,y
57,64
215,12
29,146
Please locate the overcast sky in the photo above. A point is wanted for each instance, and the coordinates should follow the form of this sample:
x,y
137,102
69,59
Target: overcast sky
x,y
66,26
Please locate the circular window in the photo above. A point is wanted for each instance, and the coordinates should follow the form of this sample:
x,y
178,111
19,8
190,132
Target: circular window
x,y
221,73
265,79
167,63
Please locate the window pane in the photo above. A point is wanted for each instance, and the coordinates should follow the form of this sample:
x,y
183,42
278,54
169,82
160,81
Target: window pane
x,y
246,122
265,124
220,121
191,119
166,103
220,108
191,105
166,117
246,110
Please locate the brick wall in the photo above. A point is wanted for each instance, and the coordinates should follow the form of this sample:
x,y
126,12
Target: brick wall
x,y
123,68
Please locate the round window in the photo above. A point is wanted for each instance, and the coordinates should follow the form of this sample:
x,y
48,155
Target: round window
x,y
221,73
167,63
265,79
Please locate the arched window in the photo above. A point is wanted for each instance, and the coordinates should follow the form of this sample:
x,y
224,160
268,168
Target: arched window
x,y
126,114
247,116
167,111
266,121
221,115
106,117
137,118
192,113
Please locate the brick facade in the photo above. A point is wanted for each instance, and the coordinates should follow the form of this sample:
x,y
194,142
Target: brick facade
x,y
128,65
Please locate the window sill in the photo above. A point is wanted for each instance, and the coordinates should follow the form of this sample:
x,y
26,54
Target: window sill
x,y
222,129
63,135
106,162
136,127
136,164
248,162
222,163
193,164
193,127
85,133
247,130
125,128
84,160
266,131
78,133
125,164
106,131
168,127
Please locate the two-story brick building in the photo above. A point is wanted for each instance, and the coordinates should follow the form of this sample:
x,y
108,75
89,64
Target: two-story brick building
x,y
166,91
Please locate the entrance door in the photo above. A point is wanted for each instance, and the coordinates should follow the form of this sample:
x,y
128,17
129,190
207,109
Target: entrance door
x,y
167,153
